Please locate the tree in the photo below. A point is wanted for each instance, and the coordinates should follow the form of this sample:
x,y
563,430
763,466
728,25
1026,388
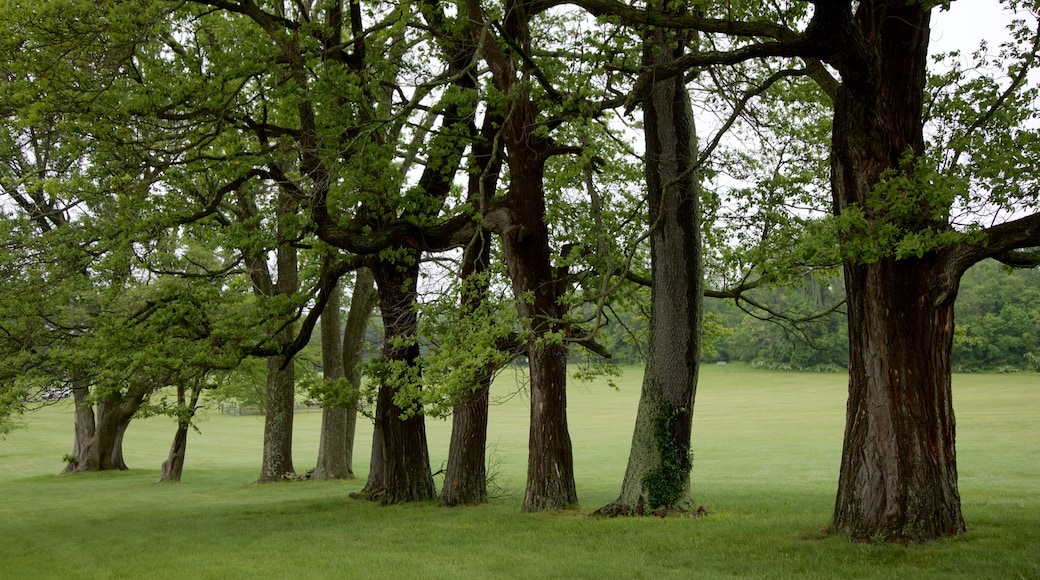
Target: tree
x,y
898,476
72,200
341,367
465,476
997,318
902,253
519,219
658,473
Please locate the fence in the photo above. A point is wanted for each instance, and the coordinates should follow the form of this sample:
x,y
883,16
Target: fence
x,y
233,409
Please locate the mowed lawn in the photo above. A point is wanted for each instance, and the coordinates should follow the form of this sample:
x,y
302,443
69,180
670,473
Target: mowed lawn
x,y
767,448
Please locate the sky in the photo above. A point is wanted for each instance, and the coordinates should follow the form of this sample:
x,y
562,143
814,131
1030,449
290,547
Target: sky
x,y
966,23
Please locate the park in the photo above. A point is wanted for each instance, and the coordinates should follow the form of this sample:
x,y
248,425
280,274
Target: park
x,y
482,288
766,447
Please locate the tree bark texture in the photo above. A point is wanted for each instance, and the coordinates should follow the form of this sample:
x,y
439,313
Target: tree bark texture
x,y
280,401
279,410
374,485
466,477
898,479
659,462
336,448
520,222
406,460
550,465
98,444
332,454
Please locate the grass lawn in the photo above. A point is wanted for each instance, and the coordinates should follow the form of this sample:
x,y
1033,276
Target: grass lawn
x,y
767,447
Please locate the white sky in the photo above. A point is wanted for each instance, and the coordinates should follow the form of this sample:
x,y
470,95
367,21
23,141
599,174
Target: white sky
x,y
966,23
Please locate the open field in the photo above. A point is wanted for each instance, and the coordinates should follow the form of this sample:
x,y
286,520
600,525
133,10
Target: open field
x,y
767,448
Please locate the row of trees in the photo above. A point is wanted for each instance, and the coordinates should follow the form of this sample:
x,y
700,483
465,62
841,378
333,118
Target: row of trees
x,y
187,184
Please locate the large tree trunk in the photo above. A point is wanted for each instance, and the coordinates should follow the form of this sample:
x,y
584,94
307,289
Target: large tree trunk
x,y
406,460
898,479
465,477
332,454
280,401
658,473
82,458
550,463
520,221
339,423
279,409
98,445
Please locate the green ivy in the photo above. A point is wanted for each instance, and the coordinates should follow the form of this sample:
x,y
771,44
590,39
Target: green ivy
x,y
666,484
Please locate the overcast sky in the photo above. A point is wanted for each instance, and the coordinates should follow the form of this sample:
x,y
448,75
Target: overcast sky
x,y
966,23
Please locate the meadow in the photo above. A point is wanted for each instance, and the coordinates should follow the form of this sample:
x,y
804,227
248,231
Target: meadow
x,y
767,447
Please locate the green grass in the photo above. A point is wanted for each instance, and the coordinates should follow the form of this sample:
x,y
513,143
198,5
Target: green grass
x,y
767,448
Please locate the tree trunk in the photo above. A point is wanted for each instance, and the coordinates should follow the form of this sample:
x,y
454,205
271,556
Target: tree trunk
x,y
99,435
280,401
898,479
279,409
82,458
658,473
339,424
362,302
406,460
173,467
550,463
465,477
374,485
332,453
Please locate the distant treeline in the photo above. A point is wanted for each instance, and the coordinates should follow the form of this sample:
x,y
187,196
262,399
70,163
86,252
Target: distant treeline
x,y
997,325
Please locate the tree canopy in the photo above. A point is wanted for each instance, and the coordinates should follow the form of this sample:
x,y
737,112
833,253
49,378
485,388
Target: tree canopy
x,y
185,183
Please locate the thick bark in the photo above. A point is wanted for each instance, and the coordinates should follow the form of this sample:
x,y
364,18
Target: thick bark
x,y
374,485
550,463
339,423
406,461
465,477
520,221
281,389
82,458
658,473
332,454
279,409
280,402
98,444
898,479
